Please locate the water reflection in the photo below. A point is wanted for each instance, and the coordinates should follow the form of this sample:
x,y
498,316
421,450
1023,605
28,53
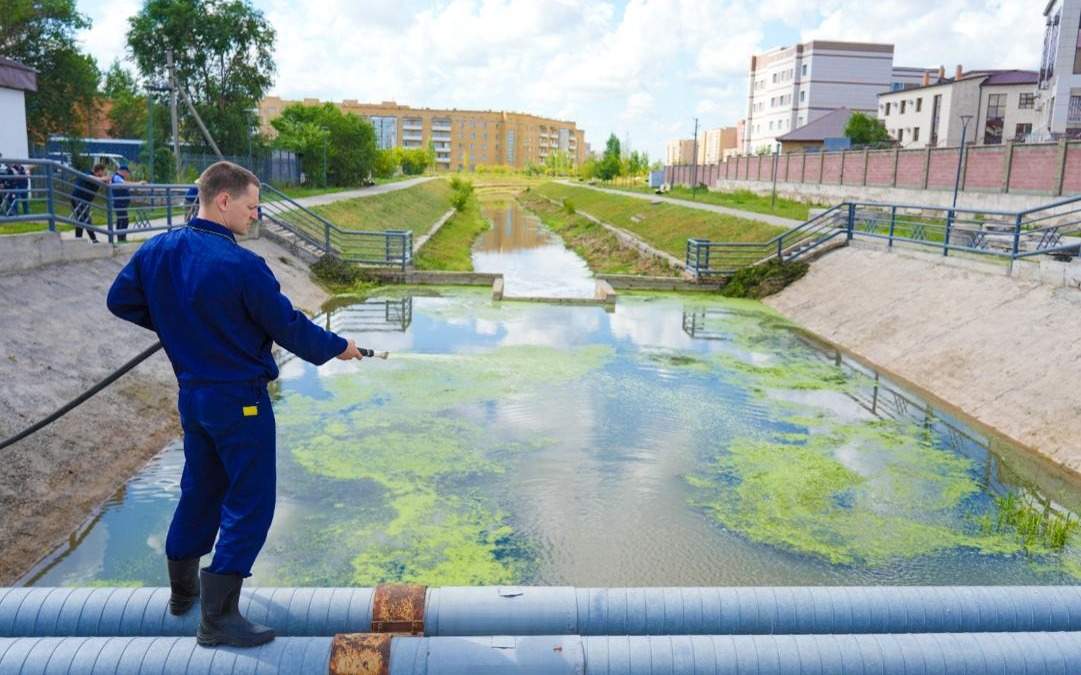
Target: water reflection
x,y
532,259
521,443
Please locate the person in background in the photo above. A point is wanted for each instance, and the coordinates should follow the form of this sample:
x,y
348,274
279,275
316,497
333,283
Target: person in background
x,y
7,194
82,196
22,188
121,199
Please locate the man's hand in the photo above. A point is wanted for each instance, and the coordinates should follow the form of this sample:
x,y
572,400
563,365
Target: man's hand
x,y
351,352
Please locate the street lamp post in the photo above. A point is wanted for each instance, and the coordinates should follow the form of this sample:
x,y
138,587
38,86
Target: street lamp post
x,y
965,119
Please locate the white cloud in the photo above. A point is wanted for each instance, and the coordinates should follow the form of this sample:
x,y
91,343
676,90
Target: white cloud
x,y
643,67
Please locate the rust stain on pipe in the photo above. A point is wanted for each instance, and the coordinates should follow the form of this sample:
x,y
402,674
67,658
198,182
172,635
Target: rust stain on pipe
x,y
360,654
399,608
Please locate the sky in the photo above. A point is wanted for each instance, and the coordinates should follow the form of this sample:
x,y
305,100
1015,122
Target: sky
x,y
642,69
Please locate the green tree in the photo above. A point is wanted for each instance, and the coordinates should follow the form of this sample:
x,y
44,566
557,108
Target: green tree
x,y
610,165
41,34
415,161
128,110
862,129
224,56
347,140
387,162
588,169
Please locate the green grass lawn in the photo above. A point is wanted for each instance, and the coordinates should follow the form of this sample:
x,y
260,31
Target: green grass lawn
x,y
596,245
451,248
415,209
666,226
744,200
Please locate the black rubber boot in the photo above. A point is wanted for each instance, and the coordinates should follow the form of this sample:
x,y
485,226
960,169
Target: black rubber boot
x,y
221,622
184,583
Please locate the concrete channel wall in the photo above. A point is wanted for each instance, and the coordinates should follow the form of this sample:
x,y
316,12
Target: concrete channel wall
x,y
1003,349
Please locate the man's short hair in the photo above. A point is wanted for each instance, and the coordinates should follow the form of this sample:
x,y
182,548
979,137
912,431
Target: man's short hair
x,y
97,168
224,177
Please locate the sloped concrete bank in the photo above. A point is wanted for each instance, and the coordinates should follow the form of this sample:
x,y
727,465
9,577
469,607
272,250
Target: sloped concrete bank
x,y
1004,350
56,340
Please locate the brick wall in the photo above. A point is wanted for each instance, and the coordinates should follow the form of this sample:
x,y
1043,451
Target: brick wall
x,y
1047,168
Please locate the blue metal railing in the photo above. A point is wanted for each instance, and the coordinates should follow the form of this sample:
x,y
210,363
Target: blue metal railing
x,y
1052,229
54,194
386,247
704,257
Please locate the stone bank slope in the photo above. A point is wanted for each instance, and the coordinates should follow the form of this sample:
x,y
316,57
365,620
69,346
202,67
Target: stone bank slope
x,y
56,340
1006,352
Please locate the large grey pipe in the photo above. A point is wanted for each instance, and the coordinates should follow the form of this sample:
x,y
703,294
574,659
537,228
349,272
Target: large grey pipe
x,y
1030,653
450,611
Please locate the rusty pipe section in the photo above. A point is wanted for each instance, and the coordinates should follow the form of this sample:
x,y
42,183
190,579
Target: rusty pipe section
x,y
491,610
1031,653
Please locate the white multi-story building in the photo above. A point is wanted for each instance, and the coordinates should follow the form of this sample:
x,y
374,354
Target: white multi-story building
x,y
1000,106
15,80
1059,102
793,86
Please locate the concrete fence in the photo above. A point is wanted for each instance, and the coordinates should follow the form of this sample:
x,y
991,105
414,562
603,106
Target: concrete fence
x,y
1046,169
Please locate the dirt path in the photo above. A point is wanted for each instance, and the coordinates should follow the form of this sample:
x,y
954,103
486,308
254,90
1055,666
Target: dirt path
x,y
56,340
1004,351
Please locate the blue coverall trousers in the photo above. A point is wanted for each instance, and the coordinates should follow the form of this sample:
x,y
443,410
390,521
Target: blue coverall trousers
x,y
227,489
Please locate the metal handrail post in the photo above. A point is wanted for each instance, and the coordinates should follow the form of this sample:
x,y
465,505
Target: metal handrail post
x,y
893,224
326,237
49,197
1016,237
851,220
109,213
949,226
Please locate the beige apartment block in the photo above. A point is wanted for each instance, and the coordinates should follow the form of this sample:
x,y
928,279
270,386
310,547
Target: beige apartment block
x,y
713,144
679,152
461,139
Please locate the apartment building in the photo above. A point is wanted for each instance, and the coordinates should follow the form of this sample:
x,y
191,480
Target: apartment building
x,y
1000,105
679,152
461,139
714,143
1058,102
790,87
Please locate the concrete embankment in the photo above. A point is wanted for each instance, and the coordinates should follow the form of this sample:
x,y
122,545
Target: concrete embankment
x,y
56,340
1004,350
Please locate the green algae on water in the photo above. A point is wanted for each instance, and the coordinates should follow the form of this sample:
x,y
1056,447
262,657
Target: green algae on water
x,y
863,493
407,428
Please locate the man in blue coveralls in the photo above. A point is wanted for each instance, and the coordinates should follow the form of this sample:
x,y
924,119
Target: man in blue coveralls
x,y
217,308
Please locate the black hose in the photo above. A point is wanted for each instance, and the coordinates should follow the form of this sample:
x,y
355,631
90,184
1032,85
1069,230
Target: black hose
x,y
143,356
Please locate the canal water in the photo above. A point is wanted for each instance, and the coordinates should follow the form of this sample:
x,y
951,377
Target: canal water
x,y
672,440
533,260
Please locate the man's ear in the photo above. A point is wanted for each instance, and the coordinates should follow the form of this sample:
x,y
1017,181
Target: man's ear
x,y
222,200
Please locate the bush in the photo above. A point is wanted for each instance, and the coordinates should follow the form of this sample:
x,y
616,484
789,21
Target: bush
x,y
762,280
462,191
387,163
332,270
568,207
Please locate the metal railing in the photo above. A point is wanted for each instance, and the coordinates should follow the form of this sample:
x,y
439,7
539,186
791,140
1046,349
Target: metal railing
x,y
386,247
704,257
1052,229
54,194
59,197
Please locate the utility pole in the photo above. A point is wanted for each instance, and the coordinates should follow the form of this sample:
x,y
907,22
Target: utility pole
x,y
172,111
694,162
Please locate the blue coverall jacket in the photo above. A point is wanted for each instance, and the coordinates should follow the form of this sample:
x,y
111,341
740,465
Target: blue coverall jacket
x,y
217,309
